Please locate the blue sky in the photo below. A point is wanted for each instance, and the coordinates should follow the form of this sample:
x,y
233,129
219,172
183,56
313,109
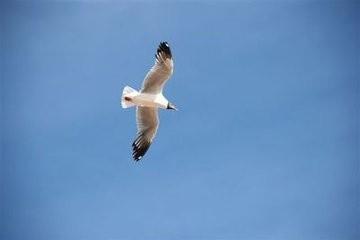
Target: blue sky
x,y
265,145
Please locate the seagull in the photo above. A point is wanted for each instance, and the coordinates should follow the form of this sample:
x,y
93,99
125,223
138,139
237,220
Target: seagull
x,y
149,99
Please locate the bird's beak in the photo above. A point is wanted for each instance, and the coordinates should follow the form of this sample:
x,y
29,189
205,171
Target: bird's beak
x,y
172,106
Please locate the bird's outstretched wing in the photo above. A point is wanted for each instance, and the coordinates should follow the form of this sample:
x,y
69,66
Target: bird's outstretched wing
x,y
160,72
147,123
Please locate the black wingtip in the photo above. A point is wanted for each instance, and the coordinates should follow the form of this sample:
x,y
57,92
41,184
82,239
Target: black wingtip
x,y
165,48
140,147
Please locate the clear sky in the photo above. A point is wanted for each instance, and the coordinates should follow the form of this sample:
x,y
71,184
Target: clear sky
x,y
265,145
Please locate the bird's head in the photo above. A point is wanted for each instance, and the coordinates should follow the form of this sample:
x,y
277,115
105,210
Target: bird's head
x,y
171,106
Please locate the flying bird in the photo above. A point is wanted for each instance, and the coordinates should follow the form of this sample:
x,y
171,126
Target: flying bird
x,y
149,99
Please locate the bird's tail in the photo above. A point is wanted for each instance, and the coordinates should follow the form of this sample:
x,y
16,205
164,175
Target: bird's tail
x,y
127,94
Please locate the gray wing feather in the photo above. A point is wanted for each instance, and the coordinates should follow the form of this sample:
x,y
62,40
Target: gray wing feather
x,y
161,71
147,124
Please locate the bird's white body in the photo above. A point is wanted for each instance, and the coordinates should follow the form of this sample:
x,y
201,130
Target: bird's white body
x,y
151,100
132,97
